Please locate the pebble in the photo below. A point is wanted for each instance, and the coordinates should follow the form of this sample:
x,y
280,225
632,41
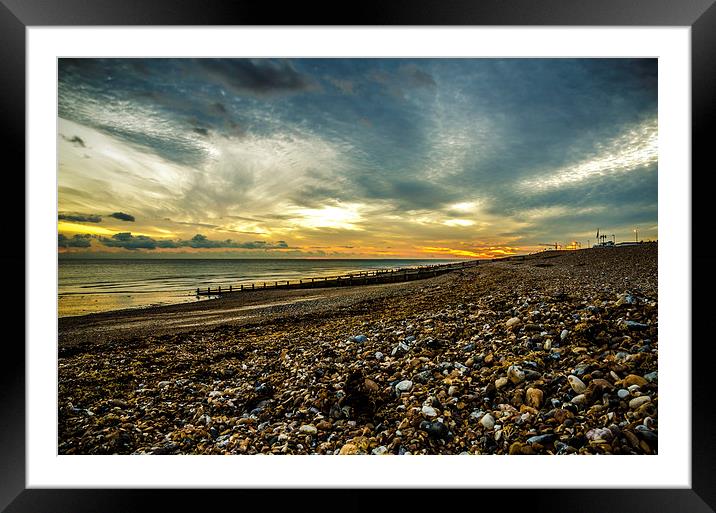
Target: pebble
x,y
501,382
435,429
324,425
534,397
399,349
348,448
577,384
360,338
580,399
404,386
487,421
511,323
379,356
623,393
515,374
563,336
638,401
423,377
308,429
599,434
625,298
633,325
429,411
380,450
540,439
646,434
633,379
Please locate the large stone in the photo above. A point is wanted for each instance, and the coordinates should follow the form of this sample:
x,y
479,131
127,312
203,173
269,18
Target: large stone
x,y
501,382
487,421
308,429
349,448
639,401
534,397
429,411
633,379
511,323
515,374
577,384
404,386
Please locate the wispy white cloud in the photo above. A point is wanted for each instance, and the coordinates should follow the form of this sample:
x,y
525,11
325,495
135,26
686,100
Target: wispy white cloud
x,y
636,148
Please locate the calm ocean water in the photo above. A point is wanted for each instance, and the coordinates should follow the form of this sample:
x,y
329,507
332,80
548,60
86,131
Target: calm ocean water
x,y
87,286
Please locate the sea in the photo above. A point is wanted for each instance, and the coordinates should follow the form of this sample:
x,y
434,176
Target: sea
x,y
99,285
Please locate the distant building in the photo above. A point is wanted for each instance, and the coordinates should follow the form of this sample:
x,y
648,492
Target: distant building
x,y
607,244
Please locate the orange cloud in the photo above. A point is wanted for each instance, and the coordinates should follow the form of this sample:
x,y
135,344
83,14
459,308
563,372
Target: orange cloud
x,y
489,252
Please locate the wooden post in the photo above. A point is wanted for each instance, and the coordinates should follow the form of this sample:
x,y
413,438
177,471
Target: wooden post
x,y
230,287
264,284
276,284
219,289
252,286
208,290
242,287
197,291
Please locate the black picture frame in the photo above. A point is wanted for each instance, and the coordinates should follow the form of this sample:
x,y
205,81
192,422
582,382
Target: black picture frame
x,y
700,15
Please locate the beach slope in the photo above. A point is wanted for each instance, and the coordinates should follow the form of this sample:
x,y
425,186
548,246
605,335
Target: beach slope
x,y
554,353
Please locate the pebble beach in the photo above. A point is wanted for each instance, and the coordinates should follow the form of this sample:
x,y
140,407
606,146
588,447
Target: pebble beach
x,y
551,353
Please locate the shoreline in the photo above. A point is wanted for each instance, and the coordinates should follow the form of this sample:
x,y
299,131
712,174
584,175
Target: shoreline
x,y
76,302
259,306
470,362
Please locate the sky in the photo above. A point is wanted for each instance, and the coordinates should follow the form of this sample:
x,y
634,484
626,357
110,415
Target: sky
x,y
353,158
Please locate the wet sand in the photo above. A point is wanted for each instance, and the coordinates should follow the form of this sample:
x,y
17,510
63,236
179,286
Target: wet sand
x,y
235,309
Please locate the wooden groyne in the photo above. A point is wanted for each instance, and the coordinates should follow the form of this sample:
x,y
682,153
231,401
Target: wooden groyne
x,y
347,280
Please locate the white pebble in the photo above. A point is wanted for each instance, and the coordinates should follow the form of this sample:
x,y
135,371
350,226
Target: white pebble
x,y
577,384
487,421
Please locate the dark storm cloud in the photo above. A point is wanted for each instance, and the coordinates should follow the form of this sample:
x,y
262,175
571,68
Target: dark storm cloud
x,y
76,241
128,241
122,216
261,77
406,194
79,218
201,241
133,242
418,77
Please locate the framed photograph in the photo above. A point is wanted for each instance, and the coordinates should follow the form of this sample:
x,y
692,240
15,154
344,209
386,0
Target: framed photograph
x,y
421,248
